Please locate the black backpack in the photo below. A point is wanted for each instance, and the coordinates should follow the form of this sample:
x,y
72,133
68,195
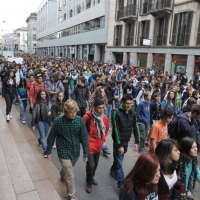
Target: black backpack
x,y
173,129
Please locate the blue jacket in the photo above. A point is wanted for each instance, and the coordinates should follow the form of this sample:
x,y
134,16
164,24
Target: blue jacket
x,y
143,112
172,106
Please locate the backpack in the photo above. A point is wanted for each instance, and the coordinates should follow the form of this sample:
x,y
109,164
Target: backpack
x,y
173,129
88,122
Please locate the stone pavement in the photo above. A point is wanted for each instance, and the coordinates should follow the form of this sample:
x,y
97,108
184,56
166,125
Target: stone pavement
x,y
24,173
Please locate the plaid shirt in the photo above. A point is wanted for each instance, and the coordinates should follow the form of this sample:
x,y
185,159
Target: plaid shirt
x,y
69,134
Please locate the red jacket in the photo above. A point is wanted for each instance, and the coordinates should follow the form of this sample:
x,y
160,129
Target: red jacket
x,y
95,143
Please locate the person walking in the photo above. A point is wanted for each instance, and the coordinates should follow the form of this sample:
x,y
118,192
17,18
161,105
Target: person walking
x,y
22,93
97,125
124,122
69,131
81,96
9,93
40,117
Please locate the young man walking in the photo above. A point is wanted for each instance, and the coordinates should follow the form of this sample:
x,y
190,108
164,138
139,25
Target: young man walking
x,y
81,95
69,131
98,125
124,122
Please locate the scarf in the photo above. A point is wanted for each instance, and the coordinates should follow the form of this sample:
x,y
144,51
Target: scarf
x,y
98,118
43,110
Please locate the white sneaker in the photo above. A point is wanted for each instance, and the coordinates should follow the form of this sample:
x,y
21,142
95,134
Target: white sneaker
x,y
54,146
23,121
7,118
11,117
189,195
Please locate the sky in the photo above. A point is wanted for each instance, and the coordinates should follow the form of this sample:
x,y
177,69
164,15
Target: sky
x,y
15,13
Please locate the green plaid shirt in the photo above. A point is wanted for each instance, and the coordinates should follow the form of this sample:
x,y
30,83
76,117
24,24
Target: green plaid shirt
x,y
69,134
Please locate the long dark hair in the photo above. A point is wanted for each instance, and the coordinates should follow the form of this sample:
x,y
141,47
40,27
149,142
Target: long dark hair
x,y
168,98
38,97
57,102
163,151
20,83
142,173
185,146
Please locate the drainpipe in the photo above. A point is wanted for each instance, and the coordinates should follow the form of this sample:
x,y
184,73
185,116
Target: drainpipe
x,y
170,40
136,32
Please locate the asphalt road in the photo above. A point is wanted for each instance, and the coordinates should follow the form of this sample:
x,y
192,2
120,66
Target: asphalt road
x,y
107,186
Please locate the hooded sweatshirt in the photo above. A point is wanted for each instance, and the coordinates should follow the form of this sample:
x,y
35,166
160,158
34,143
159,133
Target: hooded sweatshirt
x,y
143,112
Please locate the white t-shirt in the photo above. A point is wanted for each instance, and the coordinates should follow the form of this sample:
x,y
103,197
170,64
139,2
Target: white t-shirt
x,y
171,181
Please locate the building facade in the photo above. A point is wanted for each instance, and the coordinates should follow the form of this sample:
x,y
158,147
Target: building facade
x,y
20,39
160,33
76,29
31,33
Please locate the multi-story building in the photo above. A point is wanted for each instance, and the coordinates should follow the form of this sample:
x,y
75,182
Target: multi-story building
x,y
160,33
7,42
31,33
20,41
76,29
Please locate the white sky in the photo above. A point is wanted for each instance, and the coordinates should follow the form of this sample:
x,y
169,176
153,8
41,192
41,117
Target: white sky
x,y
15,13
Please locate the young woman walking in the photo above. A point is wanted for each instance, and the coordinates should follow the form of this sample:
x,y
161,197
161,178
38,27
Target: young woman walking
x,y
40,117
22,93
9,93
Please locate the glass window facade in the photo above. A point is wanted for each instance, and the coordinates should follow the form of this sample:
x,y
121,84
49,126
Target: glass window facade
x,y
142,60
179,63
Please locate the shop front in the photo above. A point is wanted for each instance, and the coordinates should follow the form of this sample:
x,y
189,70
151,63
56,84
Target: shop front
x,y
179,64
197,65
142,60
159,62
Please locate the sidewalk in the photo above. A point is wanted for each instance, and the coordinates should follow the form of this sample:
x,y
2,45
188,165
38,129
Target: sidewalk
x,y
24,173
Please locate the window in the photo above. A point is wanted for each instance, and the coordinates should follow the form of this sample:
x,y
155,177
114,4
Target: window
x,y
120,5
160,31
129,34
70,13
88,4
198,34
78,9
179,64
143,31
34,26
144,7
64,2
182,28
117,35
65,16
34,36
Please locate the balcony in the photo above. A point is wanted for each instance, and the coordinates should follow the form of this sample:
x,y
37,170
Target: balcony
x,y
127,13
117,41
161,8
160,40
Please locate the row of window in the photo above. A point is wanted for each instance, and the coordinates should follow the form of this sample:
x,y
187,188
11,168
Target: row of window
x,y
180,33
91,25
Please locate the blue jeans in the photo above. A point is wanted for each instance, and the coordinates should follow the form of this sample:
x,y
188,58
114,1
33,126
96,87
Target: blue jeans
x,y
72,87
22,105
117,162
43,128
108,111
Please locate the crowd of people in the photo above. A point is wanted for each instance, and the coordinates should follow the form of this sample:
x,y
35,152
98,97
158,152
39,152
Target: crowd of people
x,y
79,101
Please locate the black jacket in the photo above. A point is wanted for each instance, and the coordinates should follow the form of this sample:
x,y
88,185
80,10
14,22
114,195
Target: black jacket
x,y
8,89
154,112
81,96
130,90
123,124
36,113
110,93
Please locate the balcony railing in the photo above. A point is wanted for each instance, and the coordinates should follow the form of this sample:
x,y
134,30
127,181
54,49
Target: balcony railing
x,y
161,7
127,12
181,40
117,41
128,41
160,40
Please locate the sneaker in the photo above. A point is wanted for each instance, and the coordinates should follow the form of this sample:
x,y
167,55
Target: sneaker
x,y
54,146
62,179
189,195
140,151
20,117
89,188
45,155
105,153
40,144
94,182
23,121
7,118
11,117
146,144
120,187
71,198
113,175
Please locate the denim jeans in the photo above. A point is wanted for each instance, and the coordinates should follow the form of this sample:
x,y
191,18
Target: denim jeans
x,y
117,162
72,87
43,128
22,105
108,111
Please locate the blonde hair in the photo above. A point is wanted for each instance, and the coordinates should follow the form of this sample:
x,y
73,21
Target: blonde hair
x,y
71,106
